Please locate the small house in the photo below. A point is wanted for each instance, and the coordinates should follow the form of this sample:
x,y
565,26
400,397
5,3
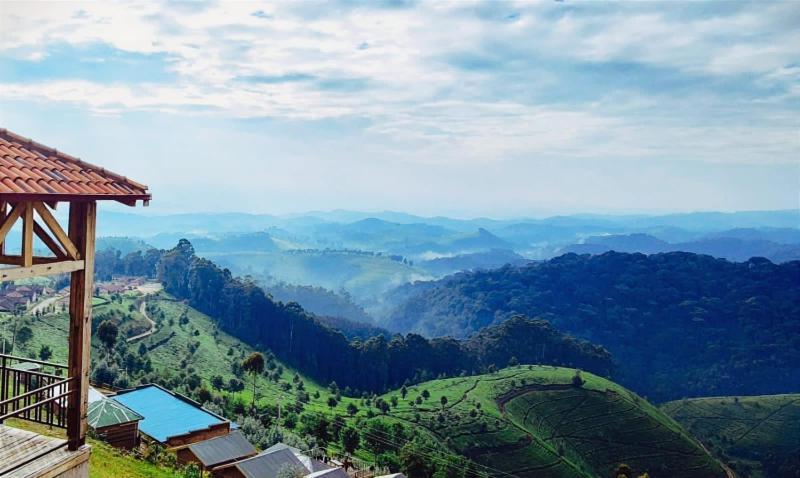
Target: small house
x,y
330,473
170,418
310,463
265,464
114,423
217,451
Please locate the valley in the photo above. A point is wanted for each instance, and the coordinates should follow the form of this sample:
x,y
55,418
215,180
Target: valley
x,y
502,370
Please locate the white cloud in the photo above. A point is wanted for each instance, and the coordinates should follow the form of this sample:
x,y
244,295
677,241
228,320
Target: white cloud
x,y
384,65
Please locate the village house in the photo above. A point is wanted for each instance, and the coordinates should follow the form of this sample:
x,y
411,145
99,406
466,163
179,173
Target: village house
x,y
170,418
218,451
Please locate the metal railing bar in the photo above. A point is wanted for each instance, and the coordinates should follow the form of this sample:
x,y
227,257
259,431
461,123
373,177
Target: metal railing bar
x,y
19,411
36,391
38,362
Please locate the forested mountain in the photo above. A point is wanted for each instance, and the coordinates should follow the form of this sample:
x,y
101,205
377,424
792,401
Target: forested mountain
x,y
678,324
243,309
739,246
320,301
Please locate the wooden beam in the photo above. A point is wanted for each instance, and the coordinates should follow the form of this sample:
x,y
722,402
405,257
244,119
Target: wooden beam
x,y
48,241
82,225
127,202
55,227
3,206
17,260
16,273
10,219
27,236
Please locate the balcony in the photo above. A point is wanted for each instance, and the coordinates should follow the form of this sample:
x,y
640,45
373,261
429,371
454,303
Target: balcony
x,y
38,392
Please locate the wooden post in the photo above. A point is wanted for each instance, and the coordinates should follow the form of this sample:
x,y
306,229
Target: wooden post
x,y
27,235
2,219
82,217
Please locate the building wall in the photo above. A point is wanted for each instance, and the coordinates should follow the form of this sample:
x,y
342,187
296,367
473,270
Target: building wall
x,y
231,472
219,429
125,436
185,456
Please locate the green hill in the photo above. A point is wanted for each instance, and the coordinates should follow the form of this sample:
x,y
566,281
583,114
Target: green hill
x,y
677,324
531,421
758,436
526,421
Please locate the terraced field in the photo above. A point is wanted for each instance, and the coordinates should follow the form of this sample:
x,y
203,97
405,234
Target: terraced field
x,y
530,421
758,436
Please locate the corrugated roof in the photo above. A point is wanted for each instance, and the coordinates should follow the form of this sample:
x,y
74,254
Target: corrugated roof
x,y
332,473
108,412
33,171
233,446
166,414
311,464
270,464
282,446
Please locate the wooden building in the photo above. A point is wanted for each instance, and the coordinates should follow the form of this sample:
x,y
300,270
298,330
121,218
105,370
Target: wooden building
x,y
114,423
265,464
218,451
34,181
170,418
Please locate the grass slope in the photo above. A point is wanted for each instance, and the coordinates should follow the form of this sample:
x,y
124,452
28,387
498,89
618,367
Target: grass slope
x,y
197,346
758,436
529,421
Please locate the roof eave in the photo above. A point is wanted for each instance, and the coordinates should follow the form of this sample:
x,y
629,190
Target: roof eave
x,y
127,199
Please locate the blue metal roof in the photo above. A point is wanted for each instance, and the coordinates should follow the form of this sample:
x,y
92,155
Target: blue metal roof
x,y
165,414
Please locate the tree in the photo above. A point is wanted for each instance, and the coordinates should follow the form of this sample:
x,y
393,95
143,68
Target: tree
x,y
443,400
577,380
403,392
426,394
350,440
623,471
45,353
217,382
254,364
107,333
412,462
352,409
203,395
332,402
24,335
513,362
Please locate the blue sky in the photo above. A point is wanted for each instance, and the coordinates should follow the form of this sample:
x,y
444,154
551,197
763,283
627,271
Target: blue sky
x,y
462,108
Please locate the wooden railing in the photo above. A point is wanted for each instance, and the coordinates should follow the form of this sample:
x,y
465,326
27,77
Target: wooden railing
x,y
34,395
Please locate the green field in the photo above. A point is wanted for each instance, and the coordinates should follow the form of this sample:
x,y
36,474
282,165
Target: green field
x,y
527,421
530,421
758,436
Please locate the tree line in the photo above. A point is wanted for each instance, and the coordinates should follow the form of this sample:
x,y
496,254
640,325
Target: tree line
x,y
242,308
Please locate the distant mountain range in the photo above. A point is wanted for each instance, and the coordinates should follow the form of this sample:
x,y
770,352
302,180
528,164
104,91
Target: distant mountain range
x,y
736,245
368,255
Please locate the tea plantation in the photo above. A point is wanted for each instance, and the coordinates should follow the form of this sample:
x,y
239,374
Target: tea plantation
x,y
534,421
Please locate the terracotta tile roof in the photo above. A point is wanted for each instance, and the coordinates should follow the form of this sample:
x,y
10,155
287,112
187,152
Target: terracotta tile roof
x,y
32,171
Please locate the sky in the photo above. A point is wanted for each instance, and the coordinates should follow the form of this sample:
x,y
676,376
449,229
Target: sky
x,y
461,108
